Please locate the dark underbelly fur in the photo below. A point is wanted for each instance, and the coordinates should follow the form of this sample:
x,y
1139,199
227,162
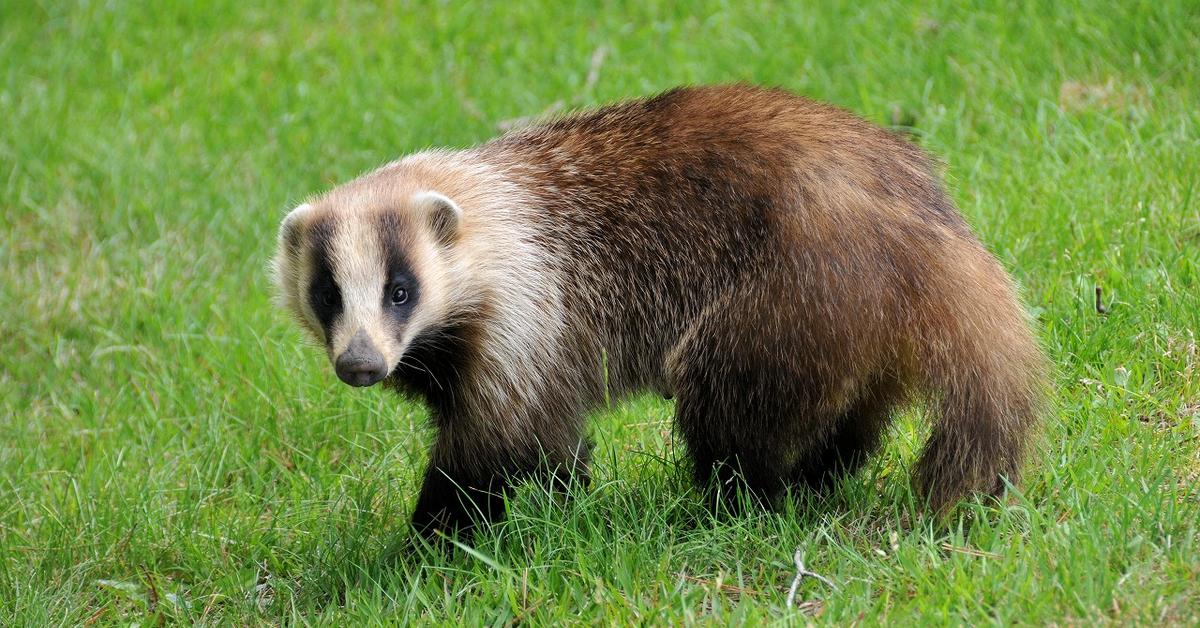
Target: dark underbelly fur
x,y
433,366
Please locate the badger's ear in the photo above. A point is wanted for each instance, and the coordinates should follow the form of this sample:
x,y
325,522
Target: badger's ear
x,y
289,230
441,214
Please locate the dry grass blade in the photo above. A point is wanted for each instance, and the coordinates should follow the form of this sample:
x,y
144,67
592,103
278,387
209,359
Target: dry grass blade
x,y
969,551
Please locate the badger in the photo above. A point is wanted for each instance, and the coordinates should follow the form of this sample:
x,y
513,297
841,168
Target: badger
x,y
791,275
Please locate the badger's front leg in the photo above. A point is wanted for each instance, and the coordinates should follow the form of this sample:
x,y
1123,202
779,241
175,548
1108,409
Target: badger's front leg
x,y
455,499
472,471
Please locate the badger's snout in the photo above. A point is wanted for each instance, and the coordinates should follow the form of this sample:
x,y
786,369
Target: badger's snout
x,y
361,364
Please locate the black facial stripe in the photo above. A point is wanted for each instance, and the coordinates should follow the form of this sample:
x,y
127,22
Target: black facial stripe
x,y
395,240
323,294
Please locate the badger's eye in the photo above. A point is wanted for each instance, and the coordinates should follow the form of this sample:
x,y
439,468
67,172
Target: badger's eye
x,y
329,298
399,295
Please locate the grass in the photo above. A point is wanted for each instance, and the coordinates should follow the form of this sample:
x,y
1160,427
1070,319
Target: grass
x,y
170,450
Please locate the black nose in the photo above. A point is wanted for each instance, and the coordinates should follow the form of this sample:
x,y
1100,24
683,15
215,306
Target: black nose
x,y
360,364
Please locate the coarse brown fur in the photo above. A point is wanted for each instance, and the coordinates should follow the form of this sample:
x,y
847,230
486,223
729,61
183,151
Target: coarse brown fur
x,y
789,273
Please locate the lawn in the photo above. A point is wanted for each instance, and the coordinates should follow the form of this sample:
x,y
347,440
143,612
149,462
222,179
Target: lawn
x,y
170,448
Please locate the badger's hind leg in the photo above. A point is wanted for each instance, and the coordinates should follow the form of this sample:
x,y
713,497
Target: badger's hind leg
x,y
854,439
747,407
729,464
728,455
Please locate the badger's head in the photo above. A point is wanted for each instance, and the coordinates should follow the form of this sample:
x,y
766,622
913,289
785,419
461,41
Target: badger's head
x,y
365,274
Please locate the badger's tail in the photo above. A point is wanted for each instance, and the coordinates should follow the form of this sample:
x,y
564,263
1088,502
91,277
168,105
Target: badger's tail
x,y
986,380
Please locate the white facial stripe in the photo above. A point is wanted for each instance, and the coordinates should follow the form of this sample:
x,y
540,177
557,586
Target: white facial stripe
x,y
359,269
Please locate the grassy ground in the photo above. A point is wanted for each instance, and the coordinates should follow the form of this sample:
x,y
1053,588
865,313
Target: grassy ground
x,y
170,450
